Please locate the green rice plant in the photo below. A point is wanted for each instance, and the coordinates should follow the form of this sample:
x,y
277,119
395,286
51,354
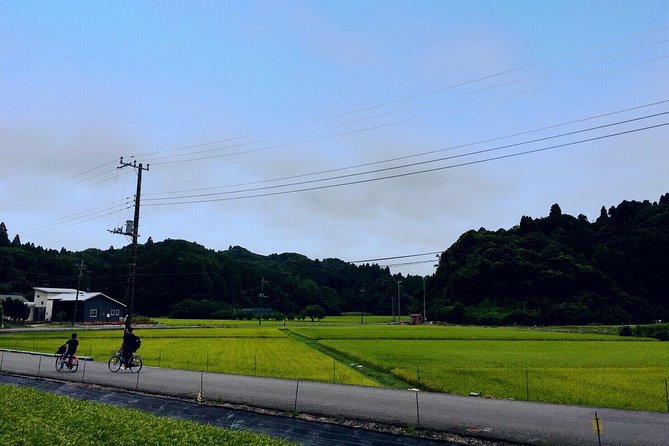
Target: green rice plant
x,y
621,374
329,320
248,351
29,417
445,332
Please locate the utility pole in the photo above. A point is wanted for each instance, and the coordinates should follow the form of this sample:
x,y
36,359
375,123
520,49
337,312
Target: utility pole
x,y
362,298
133,232
399,314
76,299
424,310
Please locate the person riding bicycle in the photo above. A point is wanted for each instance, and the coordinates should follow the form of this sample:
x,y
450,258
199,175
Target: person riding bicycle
x,y
70,349
129,346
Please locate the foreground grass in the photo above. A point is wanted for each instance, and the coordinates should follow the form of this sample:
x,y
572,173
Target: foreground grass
x,y
33,418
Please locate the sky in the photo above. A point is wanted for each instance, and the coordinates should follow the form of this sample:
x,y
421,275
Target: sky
x,y
362,130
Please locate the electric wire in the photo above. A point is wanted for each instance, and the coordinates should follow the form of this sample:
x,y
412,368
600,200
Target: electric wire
x,y
403,166
430,152
406,174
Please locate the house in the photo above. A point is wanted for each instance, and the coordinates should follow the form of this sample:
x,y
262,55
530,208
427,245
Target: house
x,y
91,307
42,308
416,318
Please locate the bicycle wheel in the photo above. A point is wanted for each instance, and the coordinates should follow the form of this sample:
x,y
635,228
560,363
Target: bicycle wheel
x,y
59,358
74,364
135,364
114,363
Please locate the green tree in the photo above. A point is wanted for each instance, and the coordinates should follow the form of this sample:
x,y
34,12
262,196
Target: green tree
x,y
314,312
15,310
4,236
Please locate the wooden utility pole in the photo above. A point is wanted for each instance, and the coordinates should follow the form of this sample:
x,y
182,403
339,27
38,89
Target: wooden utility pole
x,y
76,298
133,232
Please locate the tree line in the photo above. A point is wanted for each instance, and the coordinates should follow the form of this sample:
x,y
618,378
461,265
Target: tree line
x,y
557,269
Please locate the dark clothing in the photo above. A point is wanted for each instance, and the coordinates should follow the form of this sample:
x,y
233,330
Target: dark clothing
x,y
128,347
72,345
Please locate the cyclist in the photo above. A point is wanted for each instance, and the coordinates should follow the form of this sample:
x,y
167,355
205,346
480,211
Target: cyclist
x,y
70,349
129,346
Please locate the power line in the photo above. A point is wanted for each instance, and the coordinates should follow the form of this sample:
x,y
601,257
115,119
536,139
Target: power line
x,y
430,152
156,161
406,174
404,166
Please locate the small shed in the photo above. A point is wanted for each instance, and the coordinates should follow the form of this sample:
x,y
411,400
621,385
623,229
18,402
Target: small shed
x,y
416,318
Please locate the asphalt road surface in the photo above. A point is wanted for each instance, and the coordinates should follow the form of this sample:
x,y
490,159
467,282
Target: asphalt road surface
x,y
502,420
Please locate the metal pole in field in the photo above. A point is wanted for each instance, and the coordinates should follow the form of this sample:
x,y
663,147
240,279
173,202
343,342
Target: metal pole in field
x,y
418,374
666,393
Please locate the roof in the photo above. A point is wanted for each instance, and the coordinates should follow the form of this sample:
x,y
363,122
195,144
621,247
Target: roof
x,y
55,290
83,296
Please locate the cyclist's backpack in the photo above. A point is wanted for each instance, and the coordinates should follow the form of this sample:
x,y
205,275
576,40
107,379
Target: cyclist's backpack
x,y
137,343
61,349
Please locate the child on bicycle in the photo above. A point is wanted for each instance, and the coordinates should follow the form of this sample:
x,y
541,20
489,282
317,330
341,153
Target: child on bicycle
x,y
70,349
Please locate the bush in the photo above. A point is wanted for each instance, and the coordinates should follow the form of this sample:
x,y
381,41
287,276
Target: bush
x,y
625,330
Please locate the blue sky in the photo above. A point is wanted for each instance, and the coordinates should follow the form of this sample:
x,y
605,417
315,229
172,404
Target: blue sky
x,y
226,99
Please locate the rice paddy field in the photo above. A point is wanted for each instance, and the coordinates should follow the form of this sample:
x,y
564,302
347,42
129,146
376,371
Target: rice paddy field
x,y
571,365
35,418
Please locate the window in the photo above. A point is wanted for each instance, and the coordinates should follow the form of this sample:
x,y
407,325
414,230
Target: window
x,y
94,312
117,312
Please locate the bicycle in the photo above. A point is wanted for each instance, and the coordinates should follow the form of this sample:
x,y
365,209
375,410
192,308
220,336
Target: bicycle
x,y
72,363
116,362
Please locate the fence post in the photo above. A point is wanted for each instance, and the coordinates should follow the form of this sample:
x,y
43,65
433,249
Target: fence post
x,y
418,374
200,395
83,372
297,388
417,412
39,366
598,427
2,359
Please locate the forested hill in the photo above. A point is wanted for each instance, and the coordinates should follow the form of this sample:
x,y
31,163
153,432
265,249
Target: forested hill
x,y
560,270
174,271
554,270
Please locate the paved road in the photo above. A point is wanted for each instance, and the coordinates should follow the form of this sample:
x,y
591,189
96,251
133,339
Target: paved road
x,y
516,421
303,432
